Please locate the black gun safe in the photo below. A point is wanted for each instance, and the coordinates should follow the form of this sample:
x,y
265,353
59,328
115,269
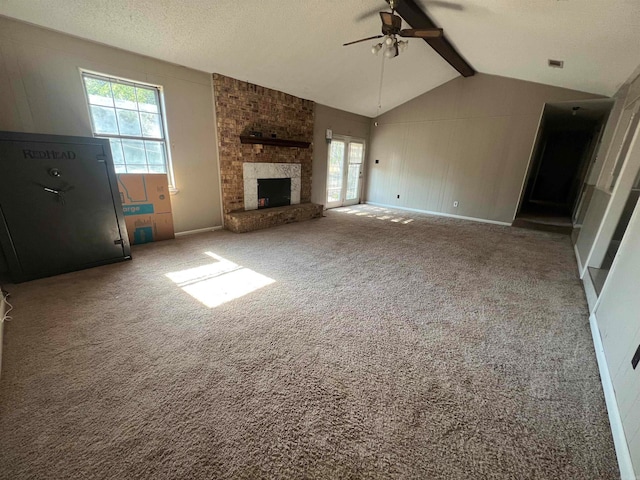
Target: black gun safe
x,y
60,209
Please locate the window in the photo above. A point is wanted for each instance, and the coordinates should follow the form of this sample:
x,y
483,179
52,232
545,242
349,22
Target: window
x,y
130,116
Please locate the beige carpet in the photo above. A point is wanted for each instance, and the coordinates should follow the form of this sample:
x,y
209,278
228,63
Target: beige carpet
x,y
380,345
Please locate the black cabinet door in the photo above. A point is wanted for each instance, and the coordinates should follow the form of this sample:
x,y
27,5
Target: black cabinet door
x,y
57,203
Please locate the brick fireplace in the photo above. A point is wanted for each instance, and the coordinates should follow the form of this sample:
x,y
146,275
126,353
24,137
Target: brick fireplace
x,y
244,109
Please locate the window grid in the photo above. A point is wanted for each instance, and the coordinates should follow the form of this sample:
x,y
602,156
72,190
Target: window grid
x,y
145,139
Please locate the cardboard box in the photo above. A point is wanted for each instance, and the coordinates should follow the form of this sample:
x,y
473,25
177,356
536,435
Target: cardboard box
x,y
147,206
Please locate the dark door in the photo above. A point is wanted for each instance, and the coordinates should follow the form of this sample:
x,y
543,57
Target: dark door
x,y
57,203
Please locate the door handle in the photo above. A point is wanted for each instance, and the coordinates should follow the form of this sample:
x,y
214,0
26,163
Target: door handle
x,y
60,194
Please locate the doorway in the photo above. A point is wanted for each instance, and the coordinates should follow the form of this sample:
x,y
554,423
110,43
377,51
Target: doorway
x,y
564,154
344,171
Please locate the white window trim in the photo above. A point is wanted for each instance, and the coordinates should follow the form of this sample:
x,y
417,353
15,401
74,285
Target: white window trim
x,y
170,175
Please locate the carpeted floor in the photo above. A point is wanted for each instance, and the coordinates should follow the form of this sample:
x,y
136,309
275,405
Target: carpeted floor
x,y
381,344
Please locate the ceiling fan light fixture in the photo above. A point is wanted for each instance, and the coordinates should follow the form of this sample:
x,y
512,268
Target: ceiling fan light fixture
x,y
376,48
403,44
389,40
391,51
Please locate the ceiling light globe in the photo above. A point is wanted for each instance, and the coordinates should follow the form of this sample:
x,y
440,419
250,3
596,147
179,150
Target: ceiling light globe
x,y
390,52
388,41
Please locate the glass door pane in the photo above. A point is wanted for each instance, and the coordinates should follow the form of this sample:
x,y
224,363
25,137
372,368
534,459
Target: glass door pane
x,y
356,157
335,174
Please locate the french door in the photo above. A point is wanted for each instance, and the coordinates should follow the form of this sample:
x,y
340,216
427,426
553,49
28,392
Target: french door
x,y
344,171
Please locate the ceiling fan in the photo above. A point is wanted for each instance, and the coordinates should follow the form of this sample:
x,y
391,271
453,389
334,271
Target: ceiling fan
x,y
392,29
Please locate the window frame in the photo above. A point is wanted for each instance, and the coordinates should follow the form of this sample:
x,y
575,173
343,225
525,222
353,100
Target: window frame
x,y
161,111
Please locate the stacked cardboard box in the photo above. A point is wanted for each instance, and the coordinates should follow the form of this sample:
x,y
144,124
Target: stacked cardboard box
x,y
147,206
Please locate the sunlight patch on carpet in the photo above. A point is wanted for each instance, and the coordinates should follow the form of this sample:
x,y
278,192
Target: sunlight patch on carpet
x,y
374,212
220,282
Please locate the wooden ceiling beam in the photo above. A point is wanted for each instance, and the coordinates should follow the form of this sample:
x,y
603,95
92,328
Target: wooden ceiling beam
x,y
414,16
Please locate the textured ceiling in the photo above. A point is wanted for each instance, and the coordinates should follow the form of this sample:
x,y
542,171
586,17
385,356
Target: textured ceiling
x,y
295,46
599,40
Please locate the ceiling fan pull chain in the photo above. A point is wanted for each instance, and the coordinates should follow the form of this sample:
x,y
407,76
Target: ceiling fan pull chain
x,y
380,87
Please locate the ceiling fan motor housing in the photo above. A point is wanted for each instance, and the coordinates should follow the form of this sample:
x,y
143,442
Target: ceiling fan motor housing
x,y
391,23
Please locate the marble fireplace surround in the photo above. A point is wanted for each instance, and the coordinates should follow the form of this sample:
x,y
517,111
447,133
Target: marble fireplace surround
x,y
251,172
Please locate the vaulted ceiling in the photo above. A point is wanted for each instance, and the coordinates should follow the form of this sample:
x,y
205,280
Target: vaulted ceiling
x,y
296,46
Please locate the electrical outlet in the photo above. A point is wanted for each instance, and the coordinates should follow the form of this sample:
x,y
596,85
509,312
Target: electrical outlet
x,y
377,161
455,204
398,196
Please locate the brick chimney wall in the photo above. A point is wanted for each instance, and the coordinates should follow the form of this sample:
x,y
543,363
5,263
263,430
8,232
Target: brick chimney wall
x,y
242,107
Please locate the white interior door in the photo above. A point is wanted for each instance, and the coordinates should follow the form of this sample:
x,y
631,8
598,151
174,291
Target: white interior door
x,y
344,171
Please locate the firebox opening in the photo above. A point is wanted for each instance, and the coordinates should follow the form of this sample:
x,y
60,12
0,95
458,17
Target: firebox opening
x,y
274,192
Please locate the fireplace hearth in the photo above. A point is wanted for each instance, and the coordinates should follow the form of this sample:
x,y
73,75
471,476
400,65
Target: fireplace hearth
x,y
274,192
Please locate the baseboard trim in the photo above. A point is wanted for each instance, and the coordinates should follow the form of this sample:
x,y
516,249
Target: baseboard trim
x,y
590,292
199,230
581,269
441,214
617,431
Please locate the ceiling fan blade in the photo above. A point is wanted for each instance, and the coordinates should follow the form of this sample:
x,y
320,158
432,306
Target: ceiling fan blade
x,y
421,32
445,4
387,18
368,14
363,40
390,22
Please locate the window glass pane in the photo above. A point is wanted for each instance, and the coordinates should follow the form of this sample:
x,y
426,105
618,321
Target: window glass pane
x,y
147,100
356,151
104,120
129,123
352,181
334,177
157,169
155,153
137,169
122,109
150,125
134,152
116,151
98,91
124,95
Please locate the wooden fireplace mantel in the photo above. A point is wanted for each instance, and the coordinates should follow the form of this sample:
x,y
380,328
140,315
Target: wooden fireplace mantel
x,y
276,142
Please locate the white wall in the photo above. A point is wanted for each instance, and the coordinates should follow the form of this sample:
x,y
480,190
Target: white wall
x,y
615,317
608,135
468,140
41,92
602,214
618,321
341,123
